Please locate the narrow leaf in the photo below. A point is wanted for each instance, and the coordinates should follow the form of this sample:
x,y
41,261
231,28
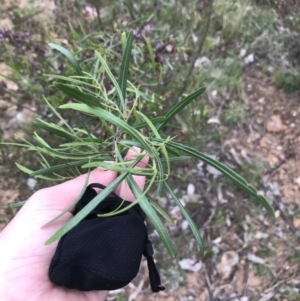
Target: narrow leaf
x,y
188,219
17,205
228,172
24,169
158,161
58,167
161,211
69,56
112,119
179,106
125,66
54,129
154,120
151,54
78,95
113,80
152,215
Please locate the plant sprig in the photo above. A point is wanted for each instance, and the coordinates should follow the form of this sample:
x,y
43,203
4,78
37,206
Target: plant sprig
x,y
124,125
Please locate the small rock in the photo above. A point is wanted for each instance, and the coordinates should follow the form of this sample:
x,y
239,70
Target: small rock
x,y
31,183
243,51
191,189
203,296
298,181
6,24
214,172
255,259
267,297
4,104
288,193
189,264
184,225
260,235
169,48
253,280
214,93
296,222
213,120
228,261
249,59
201,61
275,124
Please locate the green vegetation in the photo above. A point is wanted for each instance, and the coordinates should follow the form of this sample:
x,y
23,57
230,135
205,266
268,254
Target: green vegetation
x,y
116,76
233,114
262,271
296,257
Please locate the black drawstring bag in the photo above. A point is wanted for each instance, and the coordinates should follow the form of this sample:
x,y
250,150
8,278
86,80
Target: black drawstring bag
x,y
104,253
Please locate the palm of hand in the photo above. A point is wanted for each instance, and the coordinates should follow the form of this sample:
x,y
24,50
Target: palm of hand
x,y
26,255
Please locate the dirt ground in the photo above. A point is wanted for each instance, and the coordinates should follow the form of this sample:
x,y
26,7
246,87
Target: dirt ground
x,y
254,256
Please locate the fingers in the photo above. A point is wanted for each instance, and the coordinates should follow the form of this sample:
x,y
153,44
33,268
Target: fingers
x,y
60,196
123,189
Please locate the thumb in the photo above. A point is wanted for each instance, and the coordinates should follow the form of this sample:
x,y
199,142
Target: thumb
x,y
123,189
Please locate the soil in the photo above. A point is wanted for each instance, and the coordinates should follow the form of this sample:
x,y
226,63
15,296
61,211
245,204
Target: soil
x,y
272,136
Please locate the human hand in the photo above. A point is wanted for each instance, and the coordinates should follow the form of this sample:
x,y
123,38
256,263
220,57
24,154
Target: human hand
x,y
25,259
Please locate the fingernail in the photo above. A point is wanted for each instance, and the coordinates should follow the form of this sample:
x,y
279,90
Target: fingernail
x,y
137,149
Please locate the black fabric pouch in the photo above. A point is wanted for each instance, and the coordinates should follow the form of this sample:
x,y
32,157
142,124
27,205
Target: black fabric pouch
x,y
104,253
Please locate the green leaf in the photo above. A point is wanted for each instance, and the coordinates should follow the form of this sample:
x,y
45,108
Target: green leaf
x,y
154,120
123,41
229,173
179,106
73,32
54,129
41,141
158,161
161,211
58,115
58,167
125,66
78,95
86,210
30,172
152,56
152,215
17,205
86,142
24,169
112,119
113,80
119,168
177,159
59,154
69,56
188,219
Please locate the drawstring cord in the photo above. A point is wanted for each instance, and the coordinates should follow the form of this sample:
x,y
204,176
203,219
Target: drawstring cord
x,y
153,273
